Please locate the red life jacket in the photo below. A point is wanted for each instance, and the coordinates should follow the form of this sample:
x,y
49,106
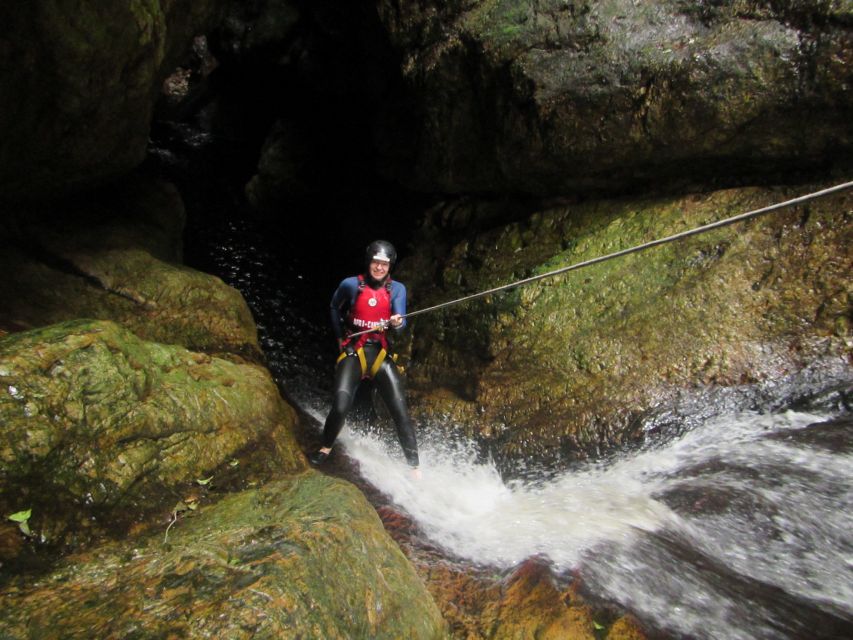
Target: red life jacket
x,y
372,308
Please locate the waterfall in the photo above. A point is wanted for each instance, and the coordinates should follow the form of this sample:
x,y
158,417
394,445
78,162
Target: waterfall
x,y
739,528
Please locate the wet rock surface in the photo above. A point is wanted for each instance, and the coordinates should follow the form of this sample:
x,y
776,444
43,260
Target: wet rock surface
x,y
101,413
551,98
299,558
589,360
100,428
115,254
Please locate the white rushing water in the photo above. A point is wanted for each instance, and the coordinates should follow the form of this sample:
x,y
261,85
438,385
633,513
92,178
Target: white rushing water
x,y
737,529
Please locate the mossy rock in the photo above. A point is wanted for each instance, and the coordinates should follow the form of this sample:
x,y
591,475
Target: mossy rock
x,y
571,364
304,557
90,409
114,254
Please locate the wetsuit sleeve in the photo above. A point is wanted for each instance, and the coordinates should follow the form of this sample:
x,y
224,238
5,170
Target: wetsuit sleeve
x,y
398,301
342,300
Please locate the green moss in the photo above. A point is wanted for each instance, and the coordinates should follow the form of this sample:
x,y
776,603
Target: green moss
x,y
150,20
505,25
305,557
90,407
572,358
112,271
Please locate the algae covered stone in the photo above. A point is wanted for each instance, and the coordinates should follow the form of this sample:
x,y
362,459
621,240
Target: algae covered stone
x,y
93,410
304,557
571,364
114,254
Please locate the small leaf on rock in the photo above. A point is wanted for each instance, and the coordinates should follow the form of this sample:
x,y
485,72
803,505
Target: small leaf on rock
x,y
21,516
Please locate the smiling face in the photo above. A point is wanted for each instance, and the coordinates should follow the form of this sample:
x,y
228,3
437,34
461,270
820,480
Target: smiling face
x,y
379,269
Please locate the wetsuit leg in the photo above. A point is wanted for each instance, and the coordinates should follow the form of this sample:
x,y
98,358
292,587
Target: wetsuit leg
x,y
390,386
347,378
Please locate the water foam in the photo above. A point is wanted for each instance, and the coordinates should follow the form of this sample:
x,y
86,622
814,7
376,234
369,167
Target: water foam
x,y
703,534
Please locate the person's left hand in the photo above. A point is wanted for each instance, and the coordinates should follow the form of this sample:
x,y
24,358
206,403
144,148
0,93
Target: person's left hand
x,y
396,320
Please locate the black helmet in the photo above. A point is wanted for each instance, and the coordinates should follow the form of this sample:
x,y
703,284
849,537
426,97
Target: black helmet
x,y
380,250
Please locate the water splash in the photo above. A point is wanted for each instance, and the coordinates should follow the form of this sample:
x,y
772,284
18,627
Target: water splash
x,y
738,529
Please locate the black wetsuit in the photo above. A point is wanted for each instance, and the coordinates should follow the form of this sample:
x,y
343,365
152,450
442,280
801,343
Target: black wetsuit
x,y
348,376
390,385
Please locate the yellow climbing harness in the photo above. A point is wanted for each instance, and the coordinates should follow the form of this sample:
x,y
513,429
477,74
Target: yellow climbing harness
x,y
362,359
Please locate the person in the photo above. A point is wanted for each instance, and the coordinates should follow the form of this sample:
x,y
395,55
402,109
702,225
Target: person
x,y
368,301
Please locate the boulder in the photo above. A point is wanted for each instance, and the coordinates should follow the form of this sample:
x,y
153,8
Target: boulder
x,y
94,414
79,81
581,362
114,254
525,604
557,97
526,601
304,557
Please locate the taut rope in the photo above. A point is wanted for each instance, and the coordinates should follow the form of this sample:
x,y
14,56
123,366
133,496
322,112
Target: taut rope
x,y
641,247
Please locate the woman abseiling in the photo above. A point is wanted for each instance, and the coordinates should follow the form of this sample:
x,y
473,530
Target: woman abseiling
x,y
369,301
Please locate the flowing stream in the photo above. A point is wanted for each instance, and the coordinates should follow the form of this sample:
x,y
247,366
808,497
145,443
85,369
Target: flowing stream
x,y
740,526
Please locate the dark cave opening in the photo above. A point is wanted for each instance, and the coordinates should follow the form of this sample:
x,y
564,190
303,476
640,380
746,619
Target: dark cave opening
x,y
307,103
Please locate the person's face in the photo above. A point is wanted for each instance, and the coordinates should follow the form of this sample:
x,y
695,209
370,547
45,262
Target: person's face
x,y
379,269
